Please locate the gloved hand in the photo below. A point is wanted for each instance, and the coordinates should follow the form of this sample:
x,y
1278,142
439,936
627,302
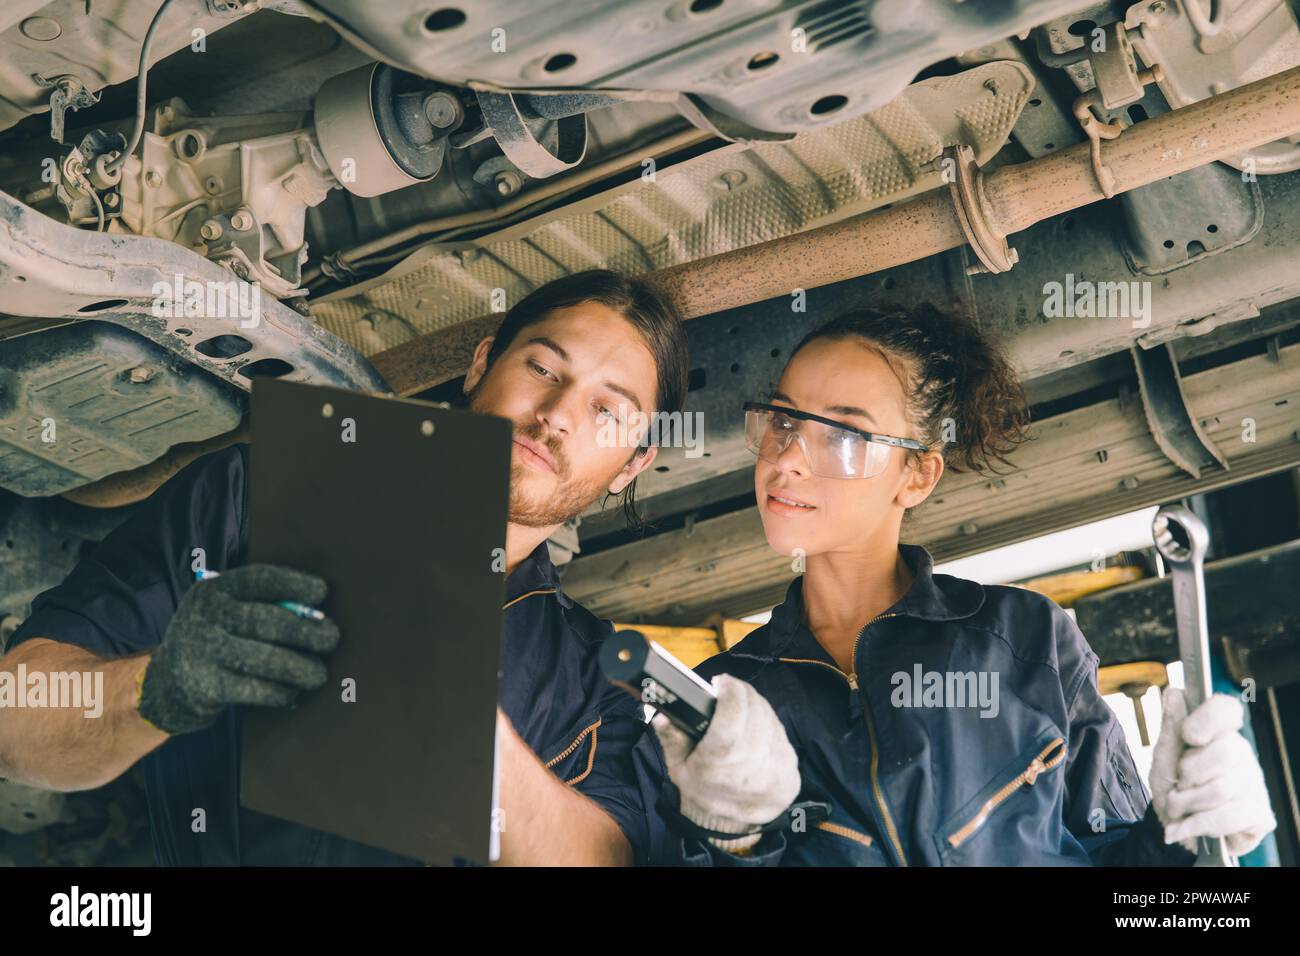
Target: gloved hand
x,y
742,774
230,643
1205,779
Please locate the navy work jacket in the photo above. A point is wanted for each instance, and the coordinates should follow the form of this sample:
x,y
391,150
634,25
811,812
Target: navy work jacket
x,y
119,599
922,769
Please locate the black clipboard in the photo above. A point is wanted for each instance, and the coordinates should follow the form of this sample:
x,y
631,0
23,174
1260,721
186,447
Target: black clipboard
x,y
400,506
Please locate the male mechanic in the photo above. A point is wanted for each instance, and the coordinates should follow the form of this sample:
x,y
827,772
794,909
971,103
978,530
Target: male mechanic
x,y
179,657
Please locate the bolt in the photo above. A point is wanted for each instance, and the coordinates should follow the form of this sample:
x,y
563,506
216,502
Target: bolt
x,y
507,183
111,200
152,179
140,374
242,220
212,185
211,230
970,527
1130,482
442,110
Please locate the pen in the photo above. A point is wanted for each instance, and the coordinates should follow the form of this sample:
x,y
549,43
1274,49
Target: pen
x,y
302,610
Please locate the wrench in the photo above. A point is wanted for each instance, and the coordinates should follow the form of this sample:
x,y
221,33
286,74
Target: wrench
x,y
1182,539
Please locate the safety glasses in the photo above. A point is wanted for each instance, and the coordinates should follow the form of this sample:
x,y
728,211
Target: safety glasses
x,y
832,449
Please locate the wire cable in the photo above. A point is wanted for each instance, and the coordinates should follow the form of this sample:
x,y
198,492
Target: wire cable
x,y
141,86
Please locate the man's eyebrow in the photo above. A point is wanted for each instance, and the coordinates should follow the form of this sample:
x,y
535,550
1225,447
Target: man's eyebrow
x,y
613,387
626,393
550,344
782,397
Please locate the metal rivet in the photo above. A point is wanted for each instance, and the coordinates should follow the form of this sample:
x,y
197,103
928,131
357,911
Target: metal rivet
x,y
426,428
327,410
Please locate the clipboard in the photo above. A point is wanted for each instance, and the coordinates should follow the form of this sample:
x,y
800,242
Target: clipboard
x,y
398,505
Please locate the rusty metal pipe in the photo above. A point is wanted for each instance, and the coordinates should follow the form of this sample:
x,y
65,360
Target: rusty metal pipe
x,y
1227,126
1013,198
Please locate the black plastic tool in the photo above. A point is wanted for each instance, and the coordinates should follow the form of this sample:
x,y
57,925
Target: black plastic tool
x,y
652,675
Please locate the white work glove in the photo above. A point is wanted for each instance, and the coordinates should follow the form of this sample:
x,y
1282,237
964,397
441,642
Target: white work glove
x,y
1205,779
742,774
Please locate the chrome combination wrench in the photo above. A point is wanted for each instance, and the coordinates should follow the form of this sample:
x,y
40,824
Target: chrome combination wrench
x,y
1182,540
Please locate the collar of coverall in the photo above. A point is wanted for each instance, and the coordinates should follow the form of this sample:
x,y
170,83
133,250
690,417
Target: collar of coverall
x,y
930,597
536,573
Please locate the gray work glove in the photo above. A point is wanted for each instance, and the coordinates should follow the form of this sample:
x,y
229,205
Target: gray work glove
x,y
230,643
742,774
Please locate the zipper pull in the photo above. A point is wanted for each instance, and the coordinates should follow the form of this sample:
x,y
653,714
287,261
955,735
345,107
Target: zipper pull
x,y
1034,769
853,682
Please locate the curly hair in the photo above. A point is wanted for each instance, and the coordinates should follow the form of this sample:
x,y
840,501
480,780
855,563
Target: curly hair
x,y
963,397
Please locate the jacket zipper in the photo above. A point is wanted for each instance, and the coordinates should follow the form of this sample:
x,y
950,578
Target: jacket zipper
x,y
846,832
1027,776
876,792
591,729
875,752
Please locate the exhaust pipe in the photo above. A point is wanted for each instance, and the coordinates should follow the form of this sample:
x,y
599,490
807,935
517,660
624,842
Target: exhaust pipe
x,y
979,209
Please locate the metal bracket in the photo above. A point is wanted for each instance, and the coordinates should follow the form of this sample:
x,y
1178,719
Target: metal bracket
x,y
964,182
1114,70
1096,130
1176,431
69,94
503,116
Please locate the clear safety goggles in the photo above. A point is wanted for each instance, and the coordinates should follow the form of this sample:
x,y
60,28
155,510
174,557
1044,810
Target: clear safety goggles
x,y
832,449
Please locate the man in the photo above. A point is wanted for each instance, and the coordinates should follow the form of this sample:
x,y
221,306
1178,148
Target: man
x,y
178,658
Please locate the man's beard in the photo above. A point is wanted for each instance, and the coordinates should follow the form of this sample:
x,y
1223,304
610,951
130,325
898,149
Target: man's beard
x,y
567,500
569,497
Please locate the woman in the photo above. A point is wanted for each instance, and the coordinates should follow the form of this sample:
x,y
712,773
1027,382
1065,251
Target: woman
x,y
941,722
